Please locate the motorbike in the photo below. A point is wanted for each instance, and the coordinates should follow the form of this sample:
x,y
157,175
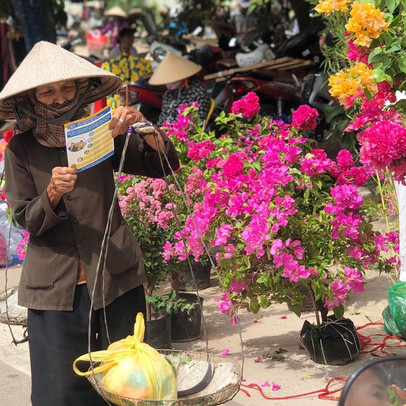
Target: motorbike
x,y
148,99
145,98
380,382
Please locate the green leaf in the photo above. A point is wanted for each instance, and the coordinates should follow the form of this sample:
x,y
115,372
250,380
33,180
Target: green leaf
x,y
254,305
339,312
392,4
394,48
247,261
401,64
373,55
381,76
263,301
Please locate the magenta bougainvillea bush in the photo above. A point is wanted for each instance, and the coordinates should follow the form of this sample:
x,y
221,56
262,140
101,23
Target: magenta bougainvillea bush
x,y
276,213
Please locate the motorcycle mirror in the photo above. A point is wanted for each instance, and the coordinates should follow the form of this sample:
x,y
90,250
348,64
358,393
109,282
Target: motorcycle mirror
x,y
381,382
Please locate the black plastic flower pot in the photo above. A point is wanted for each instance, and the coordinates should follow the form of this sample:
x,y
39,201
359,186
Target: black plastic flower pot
x,y
201,275
186,325
158,332
335,342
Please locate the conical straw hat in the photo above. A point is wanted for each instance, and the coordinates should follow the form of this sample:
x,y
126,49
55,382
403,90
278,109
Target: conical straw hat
x,y
173,68
48,63
116,11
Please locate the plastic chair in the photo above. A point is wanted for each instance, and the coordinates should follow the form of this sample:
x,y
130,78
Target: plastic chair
x,y
206,122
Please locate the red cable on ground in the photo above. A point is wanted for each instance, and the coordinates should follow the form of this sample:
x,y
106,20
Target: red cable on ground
x,y
325,394
366,341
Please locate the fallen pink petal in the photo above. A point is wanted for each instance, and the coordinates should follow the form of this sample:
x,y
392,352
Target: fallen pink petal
x,y
259,360
275,386
283,317
255,321
266,383
225,352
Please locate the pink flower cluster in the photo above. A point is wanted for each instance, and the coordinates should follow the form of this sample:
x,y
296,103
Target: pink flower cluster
x,y
356,54
305,118
248,106
347,173
145,199
255,210
315,162
353,282
371,112
226,305
286,255
383,144
23,244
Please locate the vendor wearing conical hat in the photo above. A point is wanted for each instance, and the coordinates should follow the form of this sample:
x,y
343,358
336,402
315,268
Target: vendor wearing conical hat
x,y
183,87
118,21
65,213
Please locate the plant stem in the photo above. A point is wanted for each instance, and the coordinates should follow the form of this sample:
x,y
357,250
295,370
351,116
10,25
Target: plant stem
x,y
148,290
386,216
316,310
382,201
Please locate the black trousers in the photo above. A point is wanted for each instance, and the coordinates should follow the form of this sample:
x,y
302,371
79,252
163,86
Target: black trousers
x,y
57,338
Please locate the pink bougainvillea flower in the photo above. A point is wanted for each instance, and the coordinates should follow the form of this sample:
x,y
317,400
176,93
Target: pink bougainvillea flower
x,y
265,384
283,317
225,352
305,118
383,144
255,321
247,106
275,386
355,53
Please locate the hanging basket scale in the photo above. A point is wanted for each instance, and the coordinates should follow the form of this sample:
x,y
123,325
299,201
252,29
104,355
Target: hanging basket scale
x,y
202,380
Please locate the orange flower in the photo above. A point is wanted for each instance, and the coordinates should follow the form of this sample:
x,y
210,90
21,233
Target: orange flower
x,y
366,22
328,6
349,84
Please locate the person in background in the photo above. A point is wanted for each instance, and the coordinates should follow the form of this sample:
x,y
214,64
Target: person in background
x,y
63,282
245,25
125,44
223,28
118,21
183,87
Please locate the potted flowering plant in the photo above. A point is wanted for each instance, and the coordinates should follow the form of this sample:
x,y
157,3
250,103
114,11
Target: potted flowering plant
x,y
153,209
370,84
147,209
280,215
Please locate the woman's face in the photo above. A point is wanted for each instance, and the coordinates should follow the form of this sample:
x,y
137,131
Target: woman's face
x,y
174,85
56,93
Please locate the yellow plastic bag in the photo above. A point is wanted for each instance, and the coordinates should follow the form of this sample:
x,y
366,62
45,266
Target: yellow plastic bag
x,y
132,368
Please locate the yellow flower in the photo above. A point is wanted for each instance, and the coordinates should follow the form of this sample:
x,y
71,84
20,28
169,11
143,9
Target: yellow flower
x,y
328,6
365,76
348,84
366,22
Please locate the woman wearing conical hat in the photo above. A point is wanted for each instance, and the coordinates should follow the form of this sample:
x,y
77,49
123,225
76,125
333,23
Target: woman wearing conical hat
x,y
183,87
118,21
66,213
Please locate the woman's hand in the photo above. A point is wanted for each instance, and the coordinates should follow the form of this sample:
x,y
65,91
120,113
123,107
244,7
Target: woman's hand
x,y
63,180
123,117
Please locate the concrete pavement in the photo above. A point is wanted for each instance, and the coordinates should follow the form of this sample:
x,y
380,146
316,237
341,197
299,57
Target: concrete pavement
x,y
263,335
